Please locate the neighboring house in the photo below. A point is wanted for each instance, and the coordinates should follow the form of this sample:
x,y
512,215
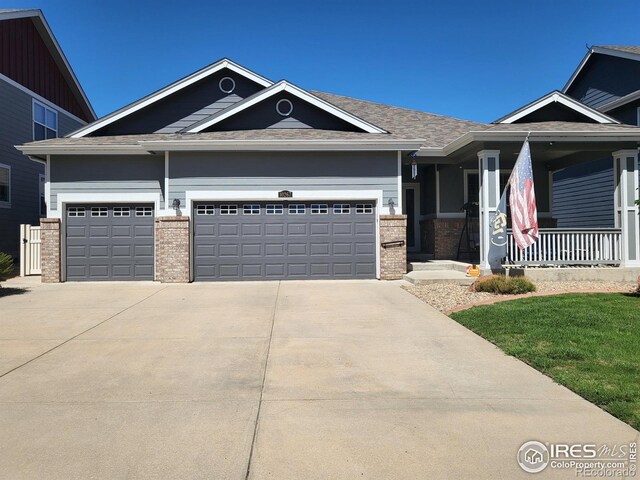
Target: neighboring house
x,y
607,80
226,175
40,98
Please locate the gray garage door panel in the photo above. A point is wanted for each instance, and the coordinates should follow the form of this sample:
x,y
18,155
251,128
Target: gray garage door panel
x,y
109,242
284,240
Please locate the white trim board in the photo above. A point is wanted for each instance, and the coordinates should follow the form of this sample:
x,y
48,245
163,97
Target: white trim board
x,y
65,198
169,90
192,196
284,86
561,98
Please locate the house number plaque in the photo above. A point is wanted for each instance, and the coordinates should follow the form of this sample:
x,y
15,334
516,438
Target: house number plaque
x,y
285,194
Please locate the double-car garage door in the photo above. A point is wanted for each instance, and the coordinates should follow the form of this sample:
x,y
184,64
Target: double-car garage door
x,y
231,241
284,240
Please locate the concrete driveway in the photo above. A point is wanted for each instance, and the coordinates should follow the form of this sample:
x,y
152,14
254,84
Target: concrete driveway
x,y
282,380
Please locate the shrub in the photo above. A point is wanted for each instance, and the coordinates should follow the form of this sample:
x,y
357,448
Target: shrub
x,y
6,266
501,285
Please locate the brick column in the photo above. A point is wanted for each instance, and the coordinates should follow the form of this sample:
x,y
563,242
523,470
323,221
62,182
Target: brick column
x,y
393,259
172,249
50,250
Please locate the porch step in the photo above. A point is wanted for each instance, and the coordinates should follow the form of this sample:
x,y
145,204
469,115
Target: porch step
x,y
435,265
419,257
426,277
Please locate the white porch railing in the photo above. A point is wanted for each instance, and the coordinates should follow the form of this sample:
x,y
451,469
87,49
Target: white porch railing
x,y
29,250
568,246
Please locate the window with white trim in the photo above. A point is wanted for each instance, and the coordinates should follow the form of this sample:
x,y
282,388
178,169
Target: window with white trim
x,y
296,209
341,208
99,212
43,200
319,208
121,211
251,209
362,208
205,210
228,209
75,211
5,186
144,211
274,209
45,122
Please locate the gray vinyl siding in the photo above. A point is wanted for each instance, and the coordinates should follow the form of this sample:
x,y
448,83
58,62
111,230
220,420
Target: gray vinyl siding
x,y
628,113
283,171
583,195
176,111
605,79
16,128
106,174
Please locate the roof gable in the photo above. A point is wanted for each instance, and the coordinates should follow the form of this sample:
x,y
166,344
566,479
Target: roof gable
x,y
32,57
556,106
283,105
181,103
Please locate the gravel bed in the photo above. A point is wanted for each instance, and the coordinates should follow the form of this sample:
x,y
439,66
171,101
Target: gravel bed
x,y
447,296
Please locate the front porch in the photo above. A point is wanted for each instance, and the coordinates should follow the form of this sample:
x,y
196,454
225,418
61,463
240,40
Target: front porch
x,y
449,202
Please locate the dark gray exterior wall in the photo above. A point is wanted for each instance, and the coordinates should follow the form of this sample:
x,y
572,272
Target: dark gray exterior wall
x,y
283,171
16,128
106,174
183,108
604,79
264,115
627,113
583,195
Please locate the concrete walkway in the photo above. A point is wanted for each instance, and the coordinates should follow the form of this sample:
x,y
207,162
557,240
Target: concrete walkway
x,y
290,380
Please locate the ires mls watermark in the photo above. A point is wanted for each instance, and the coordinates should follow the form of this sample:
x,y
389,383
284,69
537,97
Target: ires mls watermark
x,y
587,460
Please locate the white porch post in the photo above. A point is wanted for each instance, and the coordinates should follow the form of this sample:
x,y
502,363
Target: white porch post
x,y
489,175
625,171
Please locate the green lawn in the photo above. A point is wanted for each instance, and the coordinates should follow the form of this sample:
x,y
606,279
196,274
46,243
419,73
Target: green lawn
x,y
588,342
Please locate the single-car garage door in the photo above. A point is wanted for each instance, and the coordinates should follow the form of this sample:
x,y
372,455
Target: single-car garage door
x,y
284,240
109,242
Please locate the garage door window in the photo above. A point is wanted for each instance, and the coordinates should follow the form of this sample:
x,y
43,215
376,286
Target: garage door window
x,y
253,209
296,209
121,211
274,209
144,211
99,212
341,208
228,209
75,211
205,210
319,208
362,208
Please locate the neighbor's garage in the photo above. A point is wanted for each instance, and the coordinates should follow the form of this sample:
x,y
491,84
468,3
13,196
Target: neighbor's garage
x,y
109,242
284,240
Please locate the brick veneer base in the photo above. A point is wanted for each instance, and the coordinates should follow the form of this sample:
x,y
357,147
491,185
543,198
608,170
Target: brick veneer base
x,y
50,250
393,260
172,249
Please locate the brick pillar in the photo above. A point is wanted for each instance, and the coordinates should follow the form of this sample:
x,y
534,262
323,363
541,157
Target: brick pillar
x,y
50,250
172,249
393,259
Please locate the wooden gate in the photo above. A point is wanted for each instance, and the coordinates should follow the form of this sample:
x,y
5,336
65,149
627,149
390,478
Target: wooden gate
x,y
29,250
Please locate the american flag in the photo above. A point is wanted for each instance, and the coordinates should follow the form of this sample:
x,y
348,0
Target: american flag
x,y
522,200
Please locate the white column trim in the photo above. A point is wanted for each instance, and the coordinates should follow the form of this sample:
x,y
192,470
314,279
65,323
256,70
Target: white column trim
x,y
47,185
485,209
166,182
399,205
625,207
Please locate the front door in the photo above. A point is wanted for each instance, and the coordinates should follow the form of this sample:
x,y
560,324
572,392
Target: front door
x,y
411,202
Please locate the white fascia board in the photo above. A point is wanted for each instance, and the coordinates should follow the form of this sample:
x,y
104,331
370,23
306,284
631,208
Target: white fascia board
x,y
567,102
620,101
82,149
169,90
281,145
520,135
284,86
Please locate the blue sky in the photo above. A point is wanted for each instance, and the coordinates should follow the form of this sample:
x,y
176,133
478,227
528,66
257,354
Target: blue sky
x,y
468,59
